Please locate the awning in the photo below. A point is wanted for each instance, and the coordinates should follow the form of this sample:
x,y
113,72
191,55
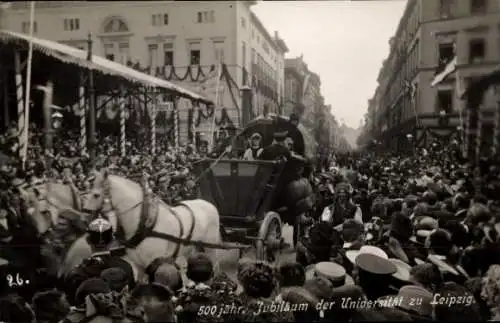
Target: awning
x,y
482,84
77,56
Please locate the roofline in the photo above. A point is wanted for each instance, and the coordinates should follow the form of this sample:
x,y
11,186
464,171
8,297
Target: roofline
x,y
264,31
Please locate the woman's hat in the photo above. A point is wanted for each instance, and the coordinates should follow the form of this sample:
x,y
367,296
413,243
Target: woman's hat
x,y
372,250
334,272
256,135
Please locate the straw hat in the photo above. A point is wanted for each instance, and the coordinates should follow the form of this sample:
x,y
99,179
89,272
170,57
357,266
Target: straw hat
x,y
334,272
403,270
372,250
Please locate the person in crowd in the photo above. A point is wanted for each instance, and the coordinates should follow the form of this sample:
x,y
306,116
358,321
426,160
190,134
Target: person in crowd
x,y
277,150
255,150
342,208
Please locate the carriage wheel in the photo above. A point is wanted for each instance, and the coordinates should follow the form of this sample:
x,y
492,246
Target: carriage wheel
x,y
269,241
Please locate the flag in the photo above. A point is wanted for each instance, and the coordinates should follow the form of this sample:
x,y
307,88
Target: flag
x,y
450,67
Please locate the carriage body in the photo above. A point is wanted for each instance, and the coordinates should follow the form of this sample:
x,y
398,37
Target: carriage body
x,y
245,192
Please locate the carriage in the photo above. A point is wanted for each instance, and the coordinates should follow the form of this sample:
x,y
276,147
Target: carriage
x,y
246,192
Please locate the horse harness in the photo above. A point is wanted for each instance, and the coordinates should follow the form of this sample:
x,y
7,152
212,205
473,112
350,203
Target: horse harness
x,y
147,222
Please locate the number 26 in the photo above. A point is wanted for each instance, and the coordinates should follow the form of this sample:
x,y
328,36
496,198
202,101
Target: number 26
x,y
18,281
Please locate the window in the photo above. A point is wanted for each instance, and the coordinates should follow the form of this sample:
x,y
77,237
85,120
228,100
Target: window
x,y
477,50
109,51
254,56
116,25
26,27
253,33
219,51
244,54
205,17
446,53
243,23
477,7
194,53
153,55
168,54
258,39
124,51
159,19
265,46
445,101
445,8
71,24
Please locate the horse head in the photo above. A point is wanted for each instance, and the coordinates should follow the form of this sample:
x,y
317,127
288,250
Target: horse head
x,y
45,202
112,197
100,193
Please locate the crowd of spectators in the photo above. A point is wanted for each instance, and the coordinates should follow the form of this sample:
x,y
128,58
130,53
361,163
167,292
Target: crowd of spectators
x,y
428,250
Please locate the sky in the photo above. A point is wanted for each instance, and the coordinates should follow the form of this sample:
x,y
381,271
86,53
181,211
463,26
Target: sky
x,y
344,42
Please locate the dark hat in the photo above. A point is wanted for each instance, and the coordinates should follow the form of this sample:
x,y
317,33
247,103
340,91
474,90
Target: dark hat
x,y
375,265
291,274
116,278
91,286
152,289
280,135
199,268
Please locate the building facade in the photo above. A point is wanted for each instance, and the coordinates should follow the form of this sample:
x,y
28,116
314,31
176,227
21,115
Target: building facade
x,y
429,36
184,42
302,87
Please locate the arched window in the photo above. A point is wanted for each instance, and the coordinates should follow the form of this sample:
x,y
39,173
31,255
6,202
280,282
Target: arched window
x,y
116,47
115,25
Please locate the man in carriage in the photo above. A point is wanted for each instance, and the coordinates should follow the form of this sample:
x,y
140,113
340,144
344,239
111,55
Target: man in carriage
x,y
277,149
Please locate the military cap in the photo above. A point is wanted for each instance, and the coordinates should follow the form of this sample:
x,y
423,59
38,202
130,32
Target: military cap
x,y
375,264
280,135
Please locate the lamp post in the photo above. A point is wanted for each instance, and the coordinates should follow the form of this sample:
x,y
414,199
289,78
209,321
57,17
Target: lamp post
x,y
52,120
409,137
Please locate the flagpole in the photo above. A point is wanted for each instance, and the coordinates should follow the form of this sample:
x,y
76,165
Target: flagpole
x,y
212,126
28,83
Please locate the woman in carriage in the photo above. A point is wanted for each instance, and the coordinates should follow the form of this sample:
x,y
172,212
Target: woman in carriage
x,y
255,150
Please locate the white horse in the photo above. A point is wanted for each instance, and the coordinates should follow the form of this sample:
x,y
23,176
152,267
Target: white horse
x,y
52,208
160,231
52,200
